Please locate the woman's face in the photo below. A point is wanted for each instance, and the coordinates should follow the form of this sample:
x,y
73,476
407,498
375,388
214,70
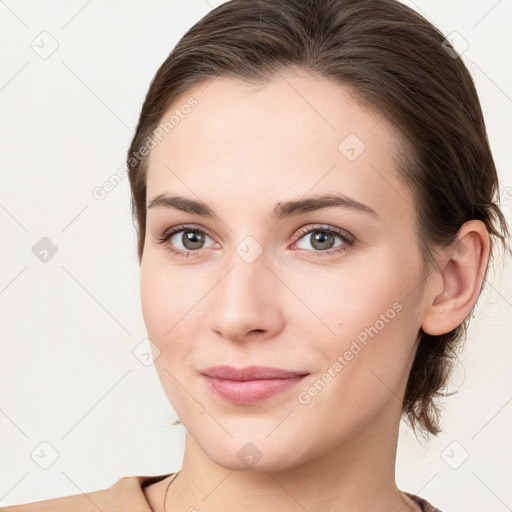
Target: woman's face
x,y
331,290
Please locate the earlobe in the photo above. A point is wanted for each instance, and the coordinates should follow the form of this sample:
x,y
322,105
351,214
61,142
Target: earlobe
x,y
462,266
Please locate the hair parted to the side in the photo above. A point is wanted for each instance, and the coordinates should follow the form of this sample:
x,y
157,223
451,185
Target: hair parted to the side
x,y
395,62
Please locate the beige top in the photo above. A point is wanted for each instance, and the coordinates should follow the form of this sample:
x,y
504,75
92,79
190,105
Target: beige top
x,y
125,495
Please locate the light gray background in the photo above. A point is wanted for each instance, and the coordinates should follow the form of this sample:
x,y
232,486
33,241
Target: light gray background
x,y
72,383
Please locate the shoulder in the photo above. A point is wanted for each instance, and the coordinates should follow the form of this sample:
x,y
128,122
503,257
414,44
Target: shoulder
x,y
78,502
126,494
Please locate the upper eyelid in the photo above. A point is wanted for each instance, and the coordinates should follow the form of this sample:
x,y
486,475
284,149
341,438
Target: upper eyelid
x,y
323,227
187,227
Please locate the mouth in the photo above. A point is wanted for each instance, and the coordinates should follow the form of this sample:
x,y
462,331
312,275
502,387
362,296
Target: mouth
x,y
252,384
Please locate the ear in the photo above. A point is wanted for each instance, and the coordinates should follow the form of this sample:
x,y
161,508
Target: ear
x,y
462,266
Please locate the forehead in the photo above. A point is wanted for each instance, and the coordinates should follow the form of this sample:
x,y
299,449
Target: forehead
x,y
292,135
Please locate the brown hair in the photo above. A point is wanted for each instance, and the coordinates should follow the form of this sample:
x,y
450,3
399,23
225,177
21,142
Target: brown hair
x,y
399,65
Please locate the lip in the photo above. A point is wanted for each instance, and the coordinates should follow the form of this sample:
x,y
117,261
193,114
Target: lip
x,y
244,386
250,373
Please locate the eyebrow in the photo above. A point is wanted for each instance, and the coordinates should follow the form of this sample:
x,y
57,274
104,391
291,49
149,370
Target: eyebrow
x,y
280,210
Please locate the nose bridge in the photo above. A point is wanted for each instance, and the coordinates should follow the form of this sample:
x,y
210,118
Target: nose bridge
x,y
246,267
243,301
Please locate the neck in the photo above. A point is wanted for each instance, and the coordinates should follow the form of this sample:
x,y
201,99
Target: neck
x,y
357,474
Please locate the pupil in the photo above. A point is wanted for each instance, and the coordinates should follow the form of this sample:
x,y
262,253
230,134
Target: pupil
x,y
192,237
321,237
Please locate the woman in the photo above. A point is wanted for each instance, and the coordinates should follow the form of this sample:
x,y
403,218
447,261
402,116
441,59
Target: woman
x,y
316,205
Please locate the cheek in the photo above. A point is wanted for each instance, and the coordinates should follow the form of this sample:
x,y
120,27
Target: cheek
x,y
153,297
164,299
375,318
170,323
174,303
353,296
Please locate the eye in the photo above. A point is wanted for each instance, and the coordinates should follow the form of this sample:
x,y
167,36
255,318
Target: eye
x,y
184,241
323,240
187,241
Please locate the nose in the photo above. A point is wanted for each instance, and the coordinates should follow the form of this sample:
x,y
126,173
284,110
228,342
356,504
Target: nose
x,y
247,301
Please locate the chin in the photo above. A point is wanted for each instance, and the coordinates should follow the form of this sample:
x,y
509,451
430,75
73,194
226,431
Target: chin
x,y
260,464
255,451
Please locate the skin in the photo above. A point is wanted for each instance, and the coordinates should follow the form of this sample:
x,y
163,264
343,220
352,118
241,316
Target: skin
x,y
242,150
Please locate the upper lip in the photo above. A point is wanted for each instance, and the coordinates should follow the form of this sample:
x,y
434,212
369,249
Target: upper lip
x,y
250,373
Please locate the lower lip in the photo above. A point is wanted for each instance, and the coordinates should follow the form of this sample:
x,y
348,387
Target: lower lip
x,y
244,392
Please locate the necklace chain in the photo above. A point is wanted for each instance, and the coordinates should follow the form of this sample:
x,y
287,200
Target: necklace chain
x,y
167,490
175,476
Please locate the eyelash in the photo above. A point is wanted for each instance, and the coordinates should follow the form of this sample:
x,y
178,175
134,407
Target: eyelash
x,y
348,240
